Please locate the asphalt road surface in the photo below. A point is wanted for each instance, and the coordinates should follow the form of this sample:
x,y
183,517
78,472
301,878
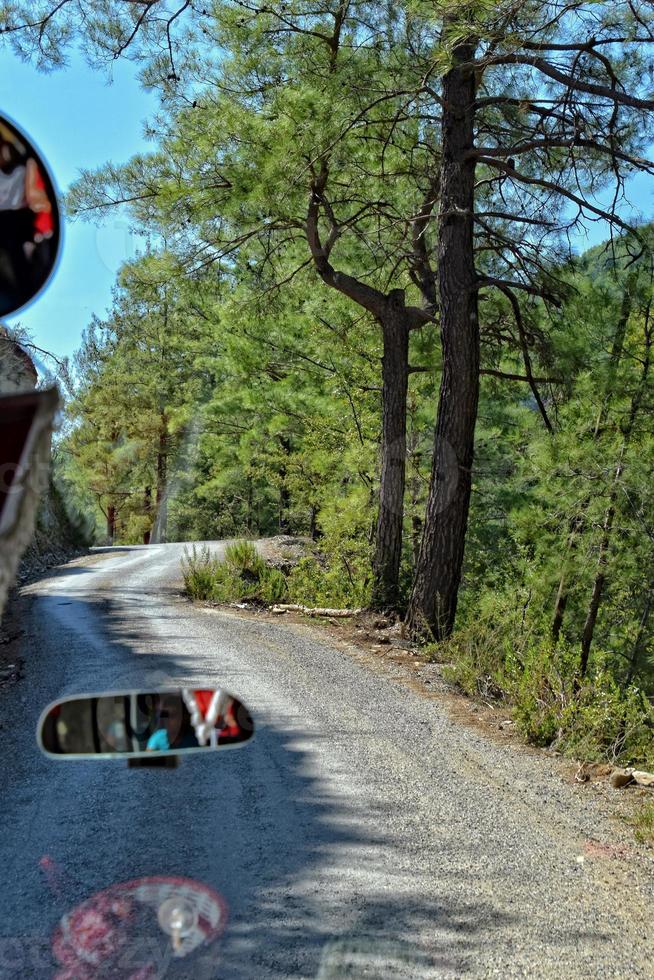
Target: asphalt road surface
x,y
361,833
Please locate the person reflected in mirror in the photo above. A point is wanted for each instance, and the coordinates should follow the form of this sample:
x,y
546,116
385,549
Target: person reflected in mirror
x,y
39,250
174,729
26,225
115,736
232,725
16,225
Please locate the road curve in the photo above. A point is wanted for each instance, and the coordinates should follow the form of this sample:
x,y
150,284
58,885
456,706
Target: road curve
x,y
362,832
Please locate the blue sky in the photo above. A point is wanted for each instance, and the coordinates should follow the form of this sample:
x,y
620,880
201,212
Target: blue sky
x,y
79,118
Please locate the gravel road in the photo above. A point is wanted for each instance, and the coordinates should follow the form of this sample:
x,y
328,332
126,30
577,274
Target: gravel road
x,y
362,832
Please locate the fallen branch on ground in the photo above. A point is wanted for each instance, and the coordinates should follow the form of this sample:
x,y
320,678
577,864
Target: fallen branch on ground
x,y
314,611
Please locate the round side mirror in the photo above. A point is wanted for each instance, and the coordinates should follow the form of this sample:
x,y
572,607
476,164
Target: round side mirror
x,y
30,233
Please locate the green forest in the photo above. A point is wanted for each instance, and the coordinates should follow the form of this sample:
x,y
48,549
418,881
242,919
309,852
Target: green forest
x,y
367,315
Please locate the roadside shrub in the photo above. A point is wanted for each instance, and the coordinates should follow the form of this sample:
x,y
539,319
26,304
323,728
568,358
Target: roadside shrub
x,y
340,580
273,586
608,723
487,653
541,686
498,659
337,583
134,528
340,576
243,556
227,585
198,571
243,575
474,659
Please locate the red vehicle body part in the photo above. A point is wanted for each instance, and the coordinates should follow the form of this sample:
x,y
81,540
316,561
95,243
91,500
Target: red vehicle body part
x,y
204,709
93,934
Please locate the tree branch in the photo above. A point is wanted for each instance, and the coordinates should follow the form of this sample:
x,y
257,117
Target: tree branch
x,y
424,273
508,376
517,312
525,287
570,82
642,163
583,204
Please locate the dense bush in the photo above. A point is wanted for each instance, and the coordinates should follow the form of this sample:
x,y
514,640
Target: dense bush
x,y
198,571
336,583
593,718
340,579
243,557
243,574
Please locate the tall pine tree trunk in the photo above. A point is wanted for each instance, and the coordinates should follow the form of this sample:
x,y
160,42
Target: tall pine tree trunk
x,y
249,498
111,523
414,489
147,508
161,522
284,494
432,608
313,522
395,377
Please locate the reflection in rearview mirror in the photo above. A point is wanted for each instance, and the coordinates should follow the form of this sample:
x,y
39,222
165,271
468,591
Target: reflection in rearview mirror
x,y
136,723
29,220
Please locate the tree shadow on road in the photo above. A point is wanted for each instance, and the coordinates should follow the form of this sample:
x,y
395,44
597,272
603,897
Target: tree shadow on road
x,y
314,887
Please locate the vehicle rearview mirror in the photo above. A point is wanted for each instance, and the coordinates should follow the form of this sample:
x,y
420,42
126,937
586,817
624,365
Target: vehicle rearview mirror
x,y
130,724
29,220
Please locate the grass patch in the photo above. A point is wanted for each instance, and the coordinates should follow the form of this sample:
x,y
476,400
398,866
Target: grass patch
x,y
242,576
642,821
339,580
198,571
594,719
